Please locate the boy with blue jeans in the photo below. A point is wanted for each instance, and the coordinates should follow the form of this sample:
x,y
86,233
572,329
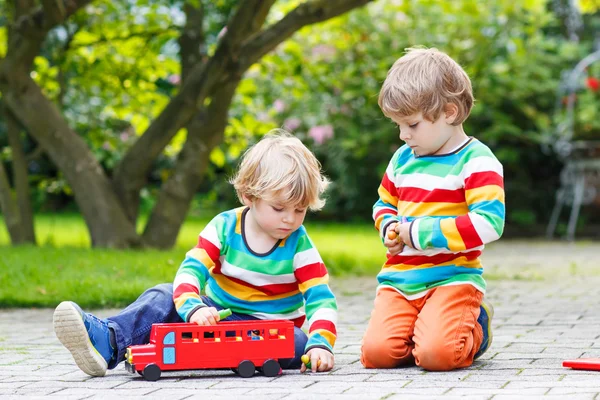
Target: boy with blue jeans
x,y
441,199
256,260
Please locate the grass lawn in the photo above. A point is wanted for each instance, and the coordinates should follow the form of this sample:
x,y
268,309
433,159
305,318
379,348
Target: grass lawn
x,y
65,268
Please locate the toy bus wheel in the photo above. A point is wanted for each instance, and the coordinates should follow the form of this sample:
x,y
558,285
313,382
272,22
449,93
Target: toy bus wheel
x,y
246,369
151,372
271,368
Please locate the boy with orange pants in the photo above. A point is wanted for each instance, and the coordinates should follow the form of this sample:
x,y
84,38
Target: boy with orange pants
x,y
441,199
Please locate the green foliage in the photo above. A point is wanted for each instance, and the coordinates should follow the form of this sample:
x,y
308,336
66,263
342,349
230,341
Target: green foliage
x,y
323,85
115,65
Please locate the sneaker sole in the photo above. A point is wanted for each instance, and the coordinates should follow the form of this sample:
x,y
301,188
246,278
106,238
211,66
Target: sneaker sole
x,y
70,330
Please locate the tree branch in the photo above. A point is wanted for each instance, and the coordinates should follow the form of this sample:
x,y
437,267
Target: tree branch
x,y
255,47
191,42
29,30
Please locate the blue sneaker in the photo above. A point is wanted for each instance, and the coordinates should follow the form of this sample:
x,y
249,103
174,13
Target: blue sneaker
x,y
85,336
485,320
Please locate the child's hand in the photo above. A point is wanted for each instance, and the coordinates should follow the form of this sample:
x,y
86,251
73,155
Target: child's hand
x,y
403,231
321,360
392,240
205,316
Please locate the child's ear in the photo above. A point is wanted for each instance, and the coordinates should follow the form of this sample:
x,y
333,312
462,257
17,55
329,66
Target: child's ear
x,y
246,200
450,113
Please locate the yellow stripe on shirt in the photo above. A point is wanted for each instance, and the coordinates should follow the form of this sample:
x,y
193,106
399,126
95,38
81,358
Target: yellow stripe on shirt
x,y
450,231
484,193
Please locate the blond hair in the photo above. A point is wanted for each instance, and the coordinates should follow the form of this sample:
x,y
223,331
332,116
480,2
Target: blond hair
x,y
425,81
280,167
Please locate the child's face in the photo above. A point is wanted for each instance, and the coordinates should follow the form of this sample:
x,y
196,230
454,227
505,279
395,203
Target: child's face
x,y
275,218
426,137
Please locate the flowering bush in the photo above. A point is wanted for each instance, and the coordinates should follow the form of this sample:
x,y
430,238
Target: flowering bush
x,y
586,111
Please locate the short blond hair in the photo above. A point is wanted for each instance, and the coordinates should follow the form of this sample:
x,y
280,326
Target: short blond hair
x,y
425,81
279,167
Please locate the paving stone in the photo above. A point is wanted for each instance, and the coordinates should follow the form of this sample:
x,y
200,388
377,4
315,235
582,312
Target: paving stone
x,y
537,324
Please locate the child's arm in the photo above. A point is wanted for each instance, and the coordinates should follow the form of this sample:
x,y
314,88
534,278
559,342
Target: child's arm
x,y
385,210
319,301
484,223
193,272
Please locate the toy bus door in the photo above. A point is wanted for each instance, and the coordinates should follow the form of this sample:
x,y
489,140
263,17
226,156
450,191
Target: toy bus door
x,y
168,353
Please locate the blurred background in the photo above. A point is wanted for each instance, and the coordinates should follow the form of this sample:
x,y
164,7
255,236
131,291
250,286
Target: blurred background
x,y
121,122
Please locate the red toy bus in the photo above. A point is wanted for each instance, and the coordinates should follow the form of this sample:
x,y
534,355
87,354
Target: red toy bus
x,y
242,346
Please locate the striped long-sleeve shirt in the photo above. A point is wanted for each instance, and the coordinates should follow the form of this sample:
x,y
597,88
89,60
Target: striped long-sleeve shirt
x,y
454,204
288,282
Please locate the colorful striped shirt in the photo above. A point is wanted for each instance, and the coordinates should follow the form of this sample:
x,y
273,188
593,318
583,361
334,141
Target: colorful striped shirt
x,y
454,203
288,282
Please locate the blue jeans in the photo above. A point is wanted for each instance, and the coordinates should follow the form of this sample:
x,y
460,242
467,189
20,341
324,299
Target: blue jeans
x,y
132,325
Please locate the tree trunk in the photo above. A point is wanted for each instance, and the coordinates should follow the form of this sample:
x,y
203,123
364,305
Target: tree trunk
x,y
20,179
204,134
10,211
106,221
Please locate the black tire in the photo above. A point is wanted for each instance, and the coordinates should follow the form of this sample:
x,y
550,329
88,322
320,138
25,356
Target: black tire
x,y
152,372
271,368
246,369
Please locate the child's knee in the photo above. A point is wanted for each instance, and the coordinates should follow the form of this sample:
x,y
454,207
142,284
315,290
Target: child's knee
x,y
437,355
386,353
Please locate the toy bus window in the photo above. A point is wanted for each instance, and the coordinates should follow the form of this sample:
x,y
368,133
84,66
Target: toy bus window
x,y
233,336
276,334
212,336
168,349
186,335
169,338
256,334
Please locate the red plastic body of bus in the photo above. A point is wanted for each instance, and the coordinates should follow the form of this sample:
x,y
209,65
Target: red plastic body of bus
x,y
187,346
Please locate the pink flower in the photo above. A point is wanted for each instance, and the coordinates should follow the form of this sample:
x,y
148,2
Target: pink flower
x,y
321,133
279,105
175,79
324,51
222,33
292,123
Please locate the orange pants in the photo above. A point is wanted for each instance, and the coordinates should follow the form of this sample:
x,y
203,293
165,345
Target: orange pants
x,y
438,332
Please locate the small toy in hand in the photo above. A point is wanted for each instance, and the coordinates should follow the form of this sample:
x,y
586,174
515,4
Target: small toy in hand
x,y
392,234
306,360
224,314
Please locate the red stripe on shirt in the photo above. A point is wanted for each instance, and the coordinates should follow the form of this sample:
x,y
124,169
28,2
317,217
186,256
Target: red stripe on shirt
x,y
389,185
467,232
299,321
185,288
212,250
479,179
436,260
310,271
323,324
270,290
418,195
384,212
